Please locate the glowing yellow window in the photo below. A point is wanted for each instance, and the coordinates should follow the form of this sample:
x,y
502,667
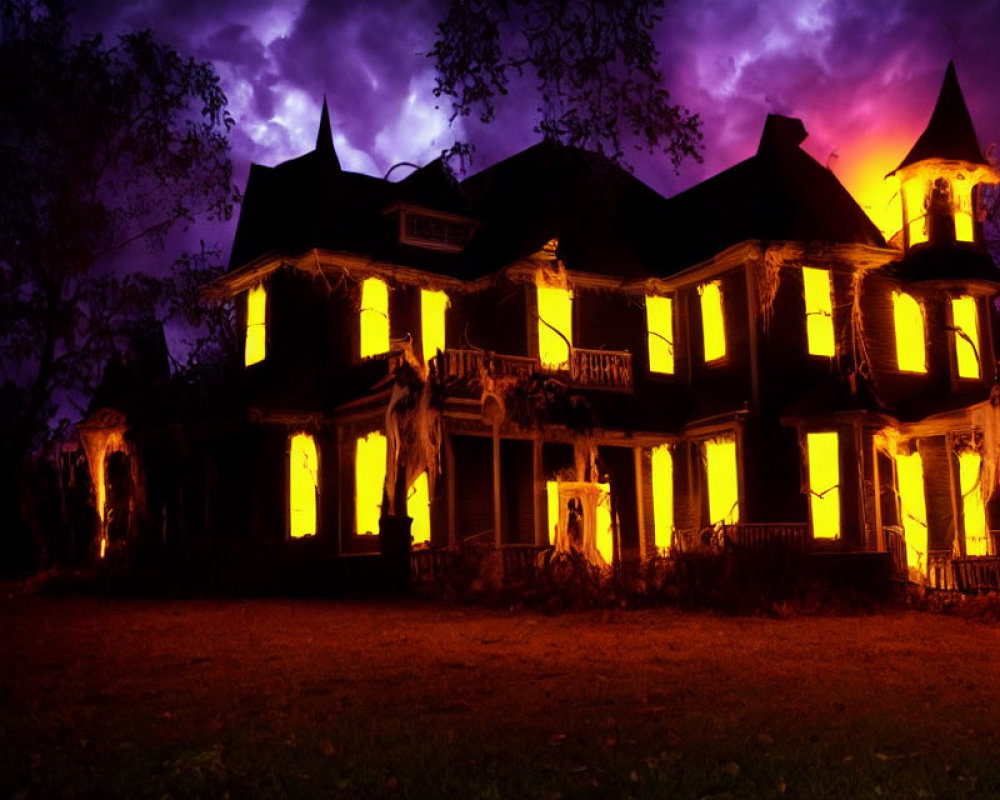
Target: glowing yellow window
x,y
723,481
964,231
915,196
418,508
374,317
966,320
303,483
909,321
662,473
555,326
552,506
713,324
605,532
824,484
432,313
369,477
660,333
256,344
973,511
819,311
913,508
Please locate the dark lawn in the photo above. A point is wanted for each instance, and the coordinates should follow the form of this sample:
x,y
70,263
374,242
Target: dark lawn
x,y
104,698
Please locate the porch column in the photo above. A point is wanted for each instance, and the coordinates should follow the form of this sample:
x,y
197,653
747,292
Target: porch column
x,y
497,517
640,511
538,494
449,477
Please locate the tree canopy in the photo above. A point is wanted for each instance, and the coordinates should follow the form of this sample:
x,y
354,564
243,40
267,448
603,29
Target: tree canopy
x,y
594,63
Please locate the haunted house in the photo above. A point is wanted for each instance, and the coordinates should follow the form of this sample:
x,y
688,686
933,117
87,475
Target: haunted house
x,y
550,354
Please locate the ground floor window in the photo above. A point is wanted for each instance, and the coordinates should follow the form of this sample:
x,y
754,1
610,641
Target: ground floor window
x,y
303,483
723,481
662,477
369,482
913,508
973,510
418,508
824,483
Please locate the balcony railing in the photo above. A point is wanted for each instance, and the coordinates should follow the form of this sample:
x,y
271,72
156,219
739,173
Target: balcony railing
x,y
608,370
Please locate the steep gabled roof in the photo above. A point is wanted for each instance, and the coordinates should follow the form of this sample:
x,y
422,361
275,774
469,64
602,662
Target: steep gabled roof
x,y
779,194
603,217
949,134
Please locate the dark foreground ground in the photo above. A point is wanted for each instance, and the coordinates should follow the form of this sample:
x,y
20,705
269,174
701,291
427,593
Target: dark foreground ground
x,y
103,698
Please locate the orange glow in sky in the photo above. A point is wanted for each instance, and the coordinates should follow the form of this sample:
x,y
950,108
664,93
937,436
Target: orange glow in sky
x,y
862,167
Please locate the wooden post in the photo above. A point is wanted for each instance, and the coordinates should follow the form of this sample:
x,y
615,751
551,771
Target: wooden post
x,y
538,494
497,516
880,543
639,504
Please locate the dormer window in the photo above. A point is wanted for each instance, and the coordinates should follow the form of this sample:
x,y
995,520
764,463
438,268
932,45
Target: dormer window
x,y
965,320
433,307
660,333
911,351
374,317
555,326
819,311
713,324
255,348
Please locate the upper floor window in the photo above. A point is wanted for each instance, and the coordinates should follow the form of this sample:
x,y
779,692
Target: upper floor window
x,y
660,333
939,209
965,319
303,484
555,326
819,311
374,317
824,483
713,324
908,316
256,342
433,307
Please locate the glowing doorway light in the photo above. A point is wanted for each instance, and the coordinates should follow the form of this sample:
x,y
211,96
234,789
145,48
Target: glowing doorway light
x,y
819,311
824,483
966,320
723,481
418,508
973,511
604,533
662,473
911,352
369,481
913,508
433,307
303,482
374,317
660,333
555,326
256,341
713,323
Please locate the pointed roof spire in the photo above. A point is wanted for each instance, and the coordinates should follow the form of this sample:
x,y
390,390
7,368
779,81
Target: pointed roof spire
x,y
324,138
949,133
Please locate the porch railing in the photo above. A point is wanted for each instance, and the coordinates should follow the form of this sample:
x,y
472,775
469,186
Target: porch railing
x,y
520,561
976,573
895,543
431,564
608,370
939,572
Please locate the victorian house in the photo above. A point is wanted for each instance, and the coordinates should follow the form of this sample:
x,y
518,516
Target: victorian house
x,y
549,353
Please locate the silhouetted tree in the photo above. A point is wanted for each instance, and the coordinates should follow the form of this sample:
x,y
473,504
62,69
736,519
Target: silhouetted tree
x,y
595,64
101,145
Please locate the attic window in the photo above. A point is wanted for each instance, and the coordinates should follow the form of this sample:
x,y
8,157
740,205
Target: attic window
x,y
911,353
555,326
713,323
965,319
369,481
423,230
824,483
819,311
433,306
662,473
374,317
660,333
303,484
256,341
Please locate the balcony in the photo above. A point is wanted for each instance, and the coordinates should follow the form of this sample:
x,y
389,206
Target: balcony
x,y
605,370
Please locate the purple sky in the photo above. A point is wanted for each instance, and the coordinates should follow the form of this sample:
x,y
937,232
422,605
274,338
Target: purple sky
x,y
864,81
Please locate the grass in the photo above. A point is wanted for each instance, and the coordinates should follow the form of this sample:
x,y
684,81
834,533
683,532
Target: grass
x,y
113,698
